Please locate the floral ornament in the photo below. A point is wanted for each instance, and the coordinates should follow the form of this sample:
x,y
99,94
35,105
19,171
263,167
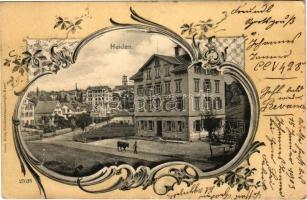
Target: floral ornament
x,y
208,55
188,28
202,27
7,62
14,81
241,177
35,60
212,56
71,25
59,59
22,63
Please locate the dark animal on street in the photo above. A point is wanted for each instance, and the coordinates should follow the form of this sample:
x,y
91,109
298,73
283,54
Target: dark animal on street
x,y
121,146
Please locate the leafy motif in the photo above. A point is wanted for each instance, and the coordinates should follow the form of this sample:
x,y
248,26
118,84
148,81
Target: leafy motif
x,y
241,177
189,28
202,27
71,25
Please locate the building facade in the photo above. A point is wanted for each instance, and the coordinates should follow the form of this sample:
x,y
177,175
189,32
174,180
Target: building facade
x,y
172,98
45,112
99,98
27,113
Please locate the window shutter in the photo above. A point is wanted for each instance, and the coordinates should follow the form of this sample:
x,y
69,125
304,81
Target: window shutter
x,y
194,125
221,104
214,104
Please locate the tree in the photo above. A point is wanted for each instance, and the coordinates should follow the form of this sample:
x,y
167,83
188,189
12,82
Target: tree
x,y
83,121
60,121
212,124
72,122
127,99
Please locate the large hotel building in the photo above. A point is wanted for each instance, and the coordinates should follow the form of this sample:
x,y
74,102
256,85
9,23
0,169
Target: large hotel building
x,y
172,99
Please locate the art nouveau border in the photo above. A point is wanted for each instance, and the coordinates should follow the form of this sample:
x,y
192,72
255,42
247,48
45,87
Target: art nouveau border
x,y
143,176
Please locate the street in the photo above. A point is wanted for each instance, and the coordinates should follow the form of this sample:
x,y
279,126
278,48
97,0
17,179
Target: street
x,y
63,151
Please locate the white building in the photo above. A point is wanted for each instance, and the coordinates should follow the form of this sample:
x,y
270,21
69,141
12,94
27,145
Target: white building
x,y
27,113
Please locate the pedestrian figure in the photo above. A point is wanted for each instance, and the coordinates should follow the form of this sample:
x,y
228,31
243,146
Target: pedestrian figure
x,y
135,147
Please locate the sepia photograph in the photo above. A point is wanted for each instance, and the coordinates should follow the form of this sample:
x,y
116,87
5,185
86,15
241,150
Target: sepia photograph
x,y
135,98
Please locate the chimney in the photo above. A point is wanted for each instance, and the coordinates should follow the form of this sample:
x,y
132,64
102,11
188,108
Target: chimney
x,y
179,51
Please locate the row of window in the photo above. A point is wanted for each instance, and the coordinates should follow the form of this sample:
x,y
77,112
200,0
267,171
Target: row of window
x,y
28,107
168,126
95,91
96,99
158,70
156,105
197,70
157,88
197,125
207,87
26,114
94,95
208,104
200,70
28,122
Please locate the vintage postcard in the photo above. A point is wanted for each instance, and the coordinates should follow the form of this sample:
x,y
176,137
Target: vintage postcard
x,y
160,100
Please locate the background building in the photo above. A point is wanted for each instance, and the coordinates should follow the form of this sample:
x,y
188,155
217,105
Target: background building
x,y
99,97
27,112
45,112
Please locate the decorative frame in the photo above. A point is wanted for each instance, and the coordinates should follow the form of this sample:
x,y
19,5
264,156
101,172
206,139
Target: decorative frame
x,y
143,176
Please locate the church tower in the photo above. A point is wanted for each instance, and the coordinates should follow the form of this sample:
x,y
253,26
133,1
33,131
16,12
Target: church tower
x,y
124,80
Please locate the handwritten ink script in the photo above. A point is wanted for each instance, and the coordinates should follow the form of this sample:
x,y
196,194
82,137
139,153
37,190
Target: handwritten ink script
x,y
211,192
275,59
284,167
275,62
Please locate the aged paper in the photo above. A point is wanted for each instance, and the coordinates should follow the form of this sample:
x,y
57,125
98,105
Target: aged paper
x,y
158,100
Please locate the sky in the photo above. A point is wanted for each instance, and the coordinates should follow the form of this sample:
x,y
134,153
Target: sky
x,y
98,64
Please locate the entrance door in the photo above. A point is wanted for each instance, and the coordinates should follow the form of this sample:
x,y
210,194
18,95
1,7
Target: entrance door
x,y
159,128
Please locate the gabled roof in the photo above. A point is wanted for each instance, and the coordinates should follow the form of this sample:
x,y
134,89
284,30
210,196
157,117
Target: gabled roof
x,y
123,87
182,62
45,107
137,76
169,59
30,100
99,87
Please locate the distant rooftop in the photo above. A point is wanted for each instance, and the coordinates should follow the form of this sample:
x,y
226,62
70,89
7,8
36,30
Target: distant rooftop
x,y
123,87
45,107
99,87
